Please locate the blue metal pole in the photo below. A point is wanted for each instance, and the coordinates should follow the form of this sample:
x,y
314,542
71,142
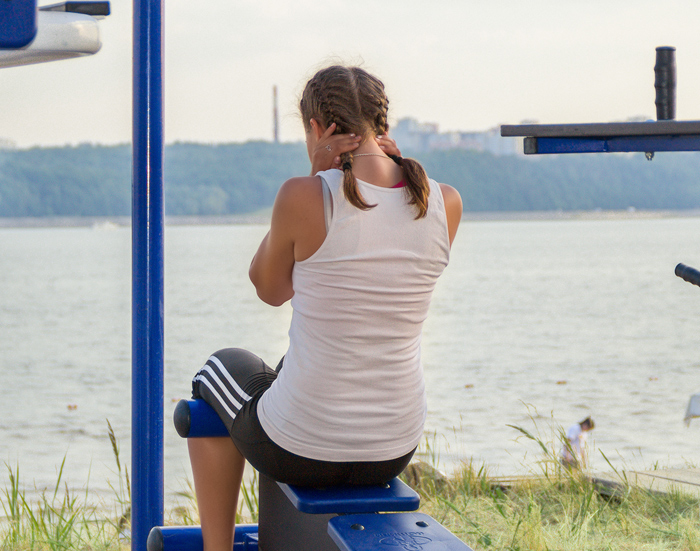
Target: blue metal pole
x,y
147,273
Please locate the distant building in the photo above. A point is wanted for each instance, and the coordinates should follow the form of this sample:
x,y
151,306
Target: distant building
x,y
414,135
275,117
424,136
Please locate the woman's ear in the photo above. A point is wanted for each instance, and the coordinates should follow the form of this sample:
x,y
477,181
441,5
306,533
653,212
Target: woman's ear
x,y
316,128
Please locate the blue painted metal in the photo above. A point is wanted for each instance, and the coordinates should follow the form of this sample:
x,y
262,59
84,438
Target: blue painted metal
x,y
17,23
395,496
612,144
147,273
414,531
189,538
196,419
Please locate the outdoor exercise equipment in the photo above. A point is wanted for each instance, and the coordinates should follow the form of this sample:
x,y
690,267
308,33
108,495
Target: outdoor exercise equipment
x,y
17,23
664,134
148,221
346,518
60,31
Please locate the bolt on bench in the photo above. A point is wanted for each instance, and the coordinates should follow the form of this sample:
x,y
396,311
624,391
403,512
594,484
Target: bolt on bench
x,y
292,518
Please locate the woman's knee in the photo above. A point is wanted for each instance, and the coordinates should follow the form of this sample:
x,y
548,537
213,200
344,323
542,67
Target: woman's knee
x,y
245,373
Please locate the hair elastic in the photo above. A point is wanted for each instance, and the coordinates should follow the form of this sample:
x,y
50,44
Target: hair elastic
x,y
347,165
396,159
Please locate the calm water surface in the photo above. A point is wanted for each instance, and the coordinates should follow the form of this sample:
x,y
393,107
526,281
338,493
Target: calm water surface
x,y
534,324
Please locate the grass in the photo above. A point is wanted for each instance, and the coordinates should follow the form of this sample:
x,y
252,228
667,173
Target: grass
x,y
556,508
553,508
62,519
561,511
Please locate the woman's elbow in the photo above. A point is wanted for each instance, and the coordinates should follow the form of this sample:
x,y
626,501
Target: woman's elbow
x,y
273,299
272,290
273,295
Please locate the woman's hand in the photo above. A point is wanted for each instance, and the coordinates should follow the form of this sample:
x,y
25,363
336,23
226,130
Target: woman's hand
x,y
388,145
330,147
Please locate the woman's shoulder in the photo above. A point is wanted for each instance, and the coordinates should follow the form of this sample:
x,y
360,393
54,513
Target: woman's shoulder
x,y
299,191
297,199
304,187
300,184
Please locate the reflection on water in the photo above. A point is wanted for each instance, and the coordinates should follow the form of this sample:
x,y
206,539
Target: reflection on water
x,y
534,324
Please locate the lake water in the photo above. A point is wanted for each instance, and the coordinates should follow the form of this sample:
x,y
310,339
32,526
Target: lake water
x,y
535,323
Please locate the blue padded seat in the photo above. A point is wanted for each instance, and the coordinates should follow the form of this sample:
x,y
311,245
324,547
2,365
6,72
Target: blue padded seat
x,y
392,497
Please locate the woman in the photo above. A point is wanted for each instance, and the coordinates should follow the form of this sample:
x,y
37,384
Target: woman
x,y
358,249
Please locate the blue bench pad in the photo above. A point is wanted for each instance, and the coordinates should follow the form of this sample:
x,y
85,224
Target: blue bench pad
x,y
189,538
414,531
197,419
393,497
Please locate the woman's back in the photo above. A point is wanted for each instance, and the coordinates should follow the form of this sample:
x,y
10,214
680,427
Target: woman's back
x,y
352,385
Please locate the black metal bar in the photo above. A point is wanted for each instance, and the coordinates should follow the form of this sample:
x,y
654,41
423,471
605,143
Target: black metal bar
x,y
665,83
94,8
602,130
691,275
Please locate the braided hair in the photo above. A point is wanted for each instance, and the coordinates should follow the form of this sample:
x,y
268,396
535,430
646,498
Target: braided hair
x,y
356,102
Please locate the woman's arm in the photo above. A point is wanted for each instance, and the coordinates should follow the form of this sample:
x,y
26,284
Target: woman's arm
x,y
297,230
271,268
453,209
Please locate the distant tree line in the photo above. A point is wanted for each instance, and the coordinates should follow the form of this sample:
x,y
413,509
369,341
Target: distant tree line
x,y
204,179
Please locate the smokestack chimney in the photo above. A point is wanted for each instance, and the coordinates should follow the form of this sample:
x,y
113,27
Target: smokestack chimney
x,y
275,117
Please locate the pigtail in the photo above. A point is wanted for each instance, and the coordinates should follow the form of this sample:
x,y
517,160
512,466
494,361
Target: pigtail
x,y
417,185
352,194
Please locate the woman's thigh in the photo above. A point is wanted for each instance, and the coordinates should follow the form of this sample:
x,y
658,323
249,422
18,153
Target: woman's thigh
x,y
232,381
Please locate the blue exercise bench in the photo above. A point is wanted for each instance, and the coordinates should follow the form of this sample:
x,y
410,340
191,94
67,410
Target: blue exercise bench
x,y
293,518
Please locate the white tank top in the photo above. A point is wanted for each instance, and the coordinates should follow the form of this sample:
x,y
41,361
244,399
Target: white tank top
x,y
352,386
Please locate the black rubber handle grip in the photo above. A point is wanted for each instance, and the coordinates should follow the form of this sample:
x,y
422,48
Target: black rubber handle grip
x,y
665,83
691,275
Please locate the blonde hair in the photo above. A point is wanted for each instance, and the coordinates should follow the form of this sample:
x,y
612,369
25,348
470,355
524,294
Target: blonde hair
x,y
356,102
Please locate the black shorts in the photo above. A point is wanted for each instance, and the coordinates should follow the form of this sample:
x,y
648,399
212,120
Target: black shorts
x,y
232,382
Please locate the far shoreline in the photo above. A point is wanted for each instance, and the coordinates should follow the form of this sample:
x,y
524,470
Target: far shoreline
x,y
263,217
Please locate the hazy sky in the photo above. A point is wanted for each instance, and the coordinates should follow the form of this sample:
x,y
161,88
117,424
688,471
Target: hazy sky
x,y
465,64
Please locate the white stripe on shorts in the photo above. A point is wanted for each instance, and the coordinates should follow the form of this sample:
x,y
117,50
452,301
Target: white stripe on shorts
x,y
230,379
220,384
216,395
